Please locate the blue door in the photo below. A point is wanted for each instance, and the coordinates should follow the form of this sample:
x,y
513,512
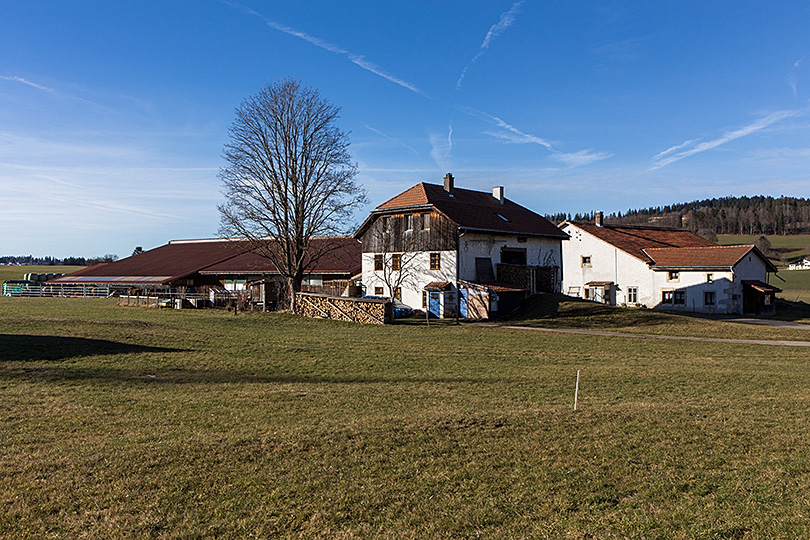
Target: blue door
x,y
463,302
435,304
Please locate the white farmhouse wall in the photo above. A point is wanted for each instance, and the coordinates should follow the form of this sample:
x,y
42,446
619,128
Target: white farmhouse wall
x,y
544,252
607,264
694,285
418,272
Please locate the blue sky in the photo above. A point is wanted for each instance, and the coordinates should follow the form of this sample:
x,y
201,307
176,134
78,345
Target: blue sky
x,y
113,115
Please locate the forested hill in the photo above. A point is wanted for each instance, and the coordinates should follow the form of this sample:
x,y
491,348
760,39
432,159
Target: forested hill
x,y
726,215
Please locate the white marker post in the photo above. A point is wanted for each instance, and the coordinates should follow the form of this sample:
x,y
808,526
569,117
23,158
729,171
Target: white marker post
x,y
576,392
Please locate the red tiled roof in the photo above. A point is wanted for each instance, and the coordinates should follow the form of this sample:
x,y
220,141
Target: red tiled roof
x,y
635,240
474,210
344,257
709,256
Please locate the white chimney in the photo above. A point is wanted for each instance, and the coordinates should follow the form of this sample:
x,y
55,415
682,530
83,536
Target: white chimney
x,y
597,218
497,192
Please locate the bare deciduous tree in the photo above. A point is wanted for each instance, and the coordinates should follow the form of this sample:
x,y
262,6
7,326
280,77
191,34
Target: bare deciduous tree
x,y
399,268
289,178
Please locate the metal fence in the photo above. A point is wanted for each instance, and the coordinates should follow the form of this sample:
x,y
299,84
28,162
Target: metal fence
x,y
74,291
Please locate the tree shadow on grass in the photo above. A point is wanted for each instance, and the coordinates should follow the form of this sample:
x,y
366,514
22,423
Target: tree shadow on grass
x,y
22,348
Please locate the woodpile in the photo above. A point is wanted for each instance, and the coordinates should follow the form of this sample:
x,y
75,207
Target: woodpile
x,y
343,308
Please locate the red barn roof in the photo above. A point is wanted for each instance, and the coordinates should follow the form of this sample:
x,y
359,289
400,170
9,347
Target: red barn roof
x,y
183,258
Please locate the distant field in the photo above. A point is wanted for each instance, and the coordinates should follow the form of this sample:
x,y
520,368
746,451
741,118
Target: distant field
x,y
786,249
144,423
17,272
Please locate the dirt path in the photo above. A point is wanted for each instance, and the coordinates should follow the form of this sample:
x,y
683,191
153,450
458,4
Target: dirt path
x,y
779,343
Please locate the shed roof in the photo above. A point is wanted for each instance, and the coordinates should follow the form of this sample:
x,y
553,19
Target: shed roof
x,y
472,210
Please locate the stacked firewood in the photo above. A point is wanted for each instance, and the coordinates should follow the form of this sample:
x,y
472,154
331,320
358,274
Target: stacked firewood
x,y
342,308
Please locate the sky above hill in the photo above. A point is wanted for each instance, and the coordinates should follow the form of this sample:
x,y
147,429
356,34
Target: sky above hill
x,y
113,115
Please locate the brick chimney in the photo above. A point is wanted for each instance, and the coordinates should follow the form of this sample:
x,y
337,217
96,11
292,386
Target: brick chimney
x,y
597,218
497,192
448,183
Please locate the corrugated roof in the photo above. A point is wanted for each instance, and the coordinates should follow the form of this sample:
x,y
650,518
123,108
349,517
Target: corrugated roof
x,y
344,257
182,258
474,210
170,262
634,240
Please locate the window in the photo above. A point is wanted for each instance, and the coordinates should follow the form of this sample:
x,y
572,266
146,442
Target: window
x,y
398,293
378,262
409,222
386,223
679,298
632,295
426,221
768,299
666,297
709,278
506,219
435,261
513,256
396,261
709,298
378,291
585,260
673,276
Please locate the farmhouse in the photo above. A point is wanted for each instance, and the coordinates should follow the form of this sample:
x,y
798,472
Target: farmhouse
x,y
454,251
664,268
219,264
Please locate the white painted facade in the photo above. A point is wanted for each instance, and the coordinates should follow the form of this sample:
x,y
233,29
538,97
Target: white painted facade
x,y
461,265
543,252
588,259
417,275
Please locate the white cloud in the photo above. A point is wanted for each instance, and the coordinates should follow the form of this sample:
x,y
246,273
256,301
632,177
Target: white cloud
x,y
583,157
729,136
441,147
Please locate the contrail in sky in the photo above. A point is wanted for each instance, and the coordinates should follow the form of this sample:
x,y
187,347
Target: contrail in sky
x,y
357,59
676,153
506,20
29,83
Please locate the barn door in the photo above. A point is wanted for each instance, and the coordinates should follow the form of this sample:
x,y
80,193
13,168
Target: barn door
x,y
435,304
464,302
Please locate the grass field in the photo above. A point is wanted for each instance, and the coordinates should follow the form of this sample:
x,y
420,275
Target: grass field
x,y
129,422
17,272
784,249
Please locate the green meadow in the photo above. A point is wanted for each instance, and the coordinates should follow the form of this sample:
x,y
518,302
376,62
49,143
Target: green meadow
x,y
144,423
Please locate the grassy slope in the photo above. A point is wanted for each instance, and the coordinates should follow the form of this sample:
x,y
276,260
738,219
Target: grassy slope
x,y
126,422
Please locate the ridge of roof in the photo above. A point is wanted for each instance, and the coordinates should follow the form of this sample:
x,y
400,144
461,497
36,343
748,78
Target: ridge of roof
x,y
472,210
634,241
